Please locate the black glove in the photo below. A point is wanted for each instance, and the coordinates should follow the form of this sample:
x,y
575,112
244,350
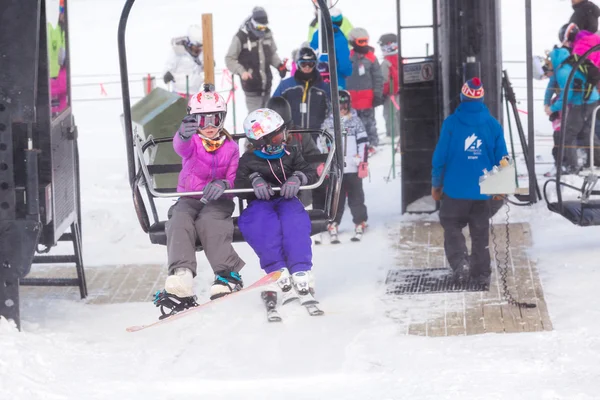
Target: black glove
x,y
188,127
378,101
214,190
168,77
291,186
262,189
282,69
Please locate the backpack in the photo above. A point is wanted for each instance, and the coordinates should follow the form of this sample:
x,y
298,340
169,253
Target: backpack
x,y
590,67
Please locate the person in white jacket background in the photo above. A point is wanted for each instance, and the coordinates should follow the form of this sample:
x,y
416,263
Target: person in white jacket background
x,y
356,141
185,70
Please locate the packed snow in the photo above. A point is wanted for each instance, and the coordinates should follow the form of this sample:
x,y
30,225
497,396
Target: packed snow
x,y
69,349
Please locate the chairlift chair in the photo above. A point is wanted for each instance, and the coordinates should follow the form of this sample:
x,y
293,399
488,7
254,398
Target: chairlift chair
x,y
142,173
585,211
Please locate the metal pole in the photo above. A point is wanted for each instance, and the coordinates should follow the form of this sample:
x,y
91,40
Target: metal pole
x,y
531,133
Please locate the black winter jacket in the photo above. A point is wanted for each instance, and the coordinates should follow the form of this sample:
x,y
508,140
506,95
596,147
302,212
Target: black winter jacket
x,y
250,163
585,15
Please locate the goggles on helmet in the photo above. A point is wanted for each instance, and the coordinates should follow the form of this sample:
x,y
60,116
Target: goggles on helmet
x,y
307,63
259,27
272,140
214,120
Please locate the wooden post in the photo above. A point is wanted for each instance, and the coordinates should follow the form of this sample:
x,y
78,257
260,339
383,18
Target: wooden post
x,y
207,49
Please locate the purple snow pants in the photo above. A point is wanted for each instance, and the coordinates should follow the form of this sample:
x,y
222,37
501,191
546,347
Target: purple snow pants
x,y
278,230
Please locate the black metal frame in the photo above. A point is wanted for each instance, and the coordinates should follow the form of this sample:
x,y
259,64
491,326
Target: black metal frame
x,y
39,160
407,164
138,177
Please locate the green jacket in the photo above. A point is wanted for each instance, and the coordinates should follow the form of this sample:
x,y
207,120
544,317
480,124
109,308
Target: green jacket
x,y
56,45
346,27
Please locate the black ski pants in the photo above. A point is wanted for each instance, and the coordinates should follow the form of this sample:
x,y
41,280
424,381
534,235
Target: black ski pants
x,y
352,187
455,214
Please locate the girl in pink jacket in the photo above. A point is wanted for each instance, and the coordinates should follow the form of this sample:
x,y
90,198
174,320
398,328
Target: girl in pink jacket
x,y
210,159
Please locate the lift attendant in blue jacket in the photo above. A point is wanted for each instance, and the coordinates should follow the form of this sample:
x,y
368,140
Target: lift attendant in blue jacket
x,y
471,140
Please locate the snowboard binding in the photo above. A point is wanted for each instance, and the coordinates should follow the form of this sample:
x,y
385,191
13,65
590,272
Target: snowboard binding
x,y
170,304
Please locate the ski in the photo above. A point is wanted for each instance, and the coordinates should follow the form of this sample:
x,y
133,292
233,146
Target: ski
x,y
311,304
314,310
269,298
265,280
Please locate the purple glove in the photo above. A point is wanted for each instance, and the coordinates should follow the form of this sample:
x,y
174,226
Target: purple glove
x,y
214,190
291,186
262,190
188,127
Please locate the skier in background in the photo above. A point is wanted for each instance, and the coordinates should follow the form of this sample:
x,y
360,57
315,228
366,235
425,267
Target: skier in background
x,y
210,159
471,140
185,67
391,87
354,171
251,54
276,225
366,83
57,62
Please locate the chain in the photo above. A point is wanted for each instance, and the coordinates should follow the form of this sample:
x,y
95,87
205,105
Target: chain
x,y
502,263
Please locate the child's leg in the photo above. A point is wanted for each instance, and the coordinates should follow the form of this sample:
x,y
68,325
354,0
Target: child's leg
x,y
341,201
181,235
296,228
215,229
479,225
454,215
260,225
368,119
387,116
356,198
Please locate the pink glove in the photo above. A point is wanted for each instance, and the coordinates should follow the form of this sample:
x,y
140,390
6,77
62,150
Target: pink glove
x,y
320,169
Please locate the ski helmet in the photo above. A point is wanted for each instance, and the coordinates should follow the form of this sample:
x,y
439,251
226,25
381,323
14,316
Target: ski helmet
x,y
388,43
336,16
306,56
567,33
345,99
263,128
209,107
281,106
359,36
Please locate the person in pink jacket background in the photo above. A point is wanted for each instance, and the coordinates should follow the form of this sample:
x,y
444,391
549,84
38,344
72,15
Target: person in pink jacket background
x,y
210,159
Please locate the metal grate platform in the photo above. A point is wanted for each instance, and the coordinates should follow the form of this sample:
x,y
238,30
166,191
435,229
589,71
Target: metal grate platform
x,y
430,280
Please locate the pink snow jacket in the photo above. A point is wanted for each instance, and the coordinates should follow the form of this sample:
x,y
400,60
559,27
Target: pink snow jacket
x,y
583,42
199,167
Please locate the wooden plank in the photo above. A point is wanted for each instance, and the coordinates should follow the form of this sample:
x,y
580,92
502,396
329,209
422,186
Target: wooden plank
x,y
473,310
207,49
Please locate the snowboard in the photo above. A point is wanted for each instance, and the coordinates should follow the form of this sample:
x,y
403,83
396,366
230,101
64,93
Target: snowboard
x,y
265,280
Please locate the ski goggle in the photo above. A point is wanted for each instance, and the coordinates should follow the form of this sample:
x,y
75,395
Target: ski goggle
x,y
259,27
361,41
273,139
389,47
307,63
214,120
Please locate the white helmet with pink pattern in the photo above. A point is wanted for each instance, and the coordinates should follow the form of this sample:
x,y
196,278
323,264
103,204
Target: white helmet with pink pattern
x,y
209,107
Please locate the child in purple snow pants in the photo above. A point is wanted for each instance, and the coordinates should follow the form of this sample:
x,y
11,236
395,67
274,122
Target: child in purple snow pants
x,y
275,225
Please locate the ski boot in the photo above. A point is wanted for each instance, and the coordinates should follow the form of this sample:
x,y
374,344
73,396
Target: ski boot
x,y
359,230
284,283
304,284
178,294
181,283
332,228
226,283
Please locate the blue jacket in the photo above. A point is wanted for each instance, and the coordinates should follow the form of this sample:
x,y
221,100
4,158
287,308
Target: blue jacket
x,y
561,72
551,89
342,54
309,101
471,141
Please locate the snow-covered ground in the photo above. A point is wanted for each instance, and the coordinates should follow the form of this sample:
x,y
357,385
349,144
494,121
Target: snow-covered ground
x,y
74,350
